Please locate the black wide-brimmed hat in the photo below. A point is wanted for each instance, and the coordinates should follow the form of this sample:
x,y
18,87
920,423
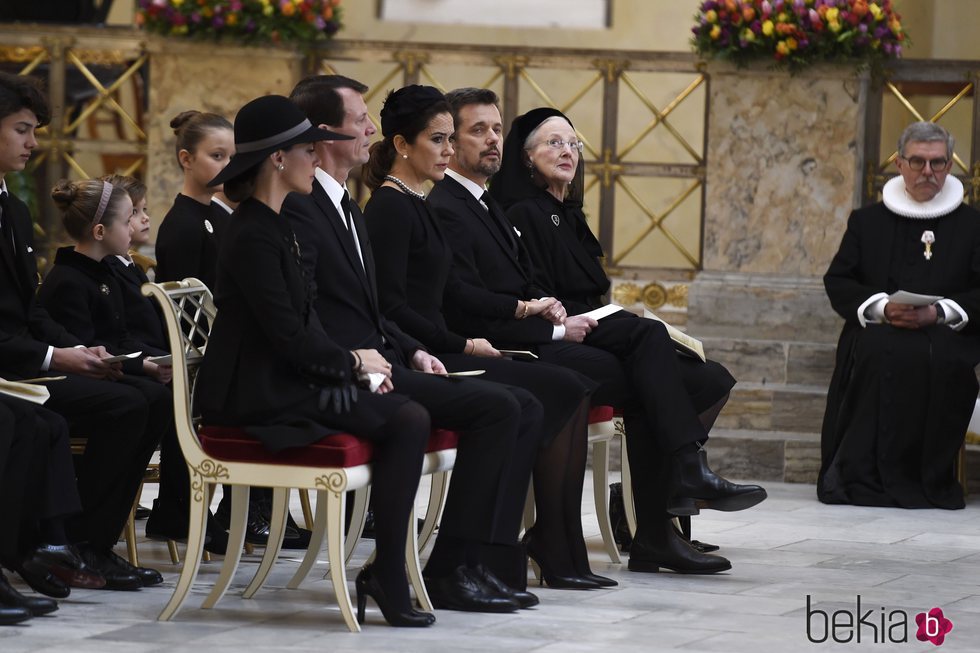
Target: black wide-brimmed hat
x,y
267,124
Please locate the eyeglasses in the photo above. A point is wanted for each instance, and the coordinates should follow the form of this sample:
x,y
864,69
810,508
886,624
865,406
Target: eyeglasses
x,y
918,163
558,144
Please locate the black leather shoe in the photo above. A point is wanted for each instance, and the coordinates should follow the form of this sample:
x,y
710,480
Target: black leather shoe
x,y
116,577
295,537
524,599
11,616
673,552
704,547
601,581
34,605
63,561
142,512
464,590
554,579
694,487
41,580
148,577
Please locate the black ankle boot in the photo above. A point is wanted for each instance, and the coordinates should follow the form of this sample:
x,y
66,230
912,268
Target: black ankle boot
x,y
694,487
659,545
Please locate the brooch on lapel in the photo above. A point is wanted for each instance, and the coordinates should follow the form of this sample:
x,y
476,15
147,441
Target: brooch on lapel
x,y
928,238
208,227
30,250
104,289
555,219
517,231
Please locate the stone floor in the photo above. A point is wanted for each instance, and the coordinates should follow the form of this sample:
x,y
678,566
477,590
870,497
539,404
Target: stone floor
x,y
787,549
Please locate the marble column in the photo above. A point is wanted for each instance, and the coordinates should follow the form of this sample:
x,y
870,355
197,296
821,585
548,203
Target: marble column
x,y
209,77
783,172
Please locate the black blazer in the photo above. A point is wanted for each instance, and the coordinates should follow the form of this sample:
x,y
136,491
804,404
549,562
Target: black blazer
x,y
26,329
565,252
267,351
143,317
346,294
186,246
489,263
86,298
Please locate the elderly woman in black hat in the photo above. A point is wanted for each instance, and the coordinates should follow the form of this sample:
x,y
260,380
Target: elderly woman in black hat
x,y
416,277
671,401
269,365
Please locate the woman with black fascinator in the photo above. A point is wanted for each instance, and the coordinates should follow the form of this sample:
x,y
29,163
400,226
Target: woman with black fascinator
x,y
269,365
416,279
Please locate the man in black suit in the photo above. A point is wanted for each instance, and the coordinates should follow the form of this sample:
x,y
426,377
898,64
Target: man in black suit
x,y
623,354
499,425
110,415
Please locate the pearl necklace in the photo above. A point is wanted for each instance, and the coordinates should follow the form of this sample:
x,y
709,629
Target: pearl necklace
x,y
401,184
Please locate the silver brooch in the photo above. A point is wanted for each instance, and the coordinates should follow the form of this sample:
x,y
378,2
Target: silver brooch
x,y
555,219
104,288
207,225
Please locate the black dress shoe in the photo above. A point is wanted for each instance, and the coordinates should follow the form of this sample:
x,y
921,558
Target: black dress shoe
x,y
601,581
11,616
694,487
34,605
524,599
116,577
704,547
63,561
662,547
142,512
148,577
41,580
294,536
367,584
464,590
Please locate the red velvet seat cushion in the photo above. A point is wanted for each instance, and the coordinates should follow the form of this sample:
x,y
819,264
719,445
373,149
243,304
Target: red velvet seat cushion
x,y
598,414
340,450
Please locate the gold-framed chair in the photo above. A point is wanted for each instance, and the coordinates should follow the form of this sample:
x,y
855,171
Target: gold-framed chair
x,y
218,455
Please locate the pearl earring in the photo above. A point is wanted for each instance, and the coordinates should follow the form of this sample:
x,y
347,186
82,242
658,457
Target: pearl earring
x,y
280,167
404,156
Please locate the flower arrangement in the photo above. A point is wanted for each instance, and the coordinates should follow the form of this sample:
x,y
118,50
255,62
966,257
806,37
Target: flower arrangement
x,y
244,21
796,33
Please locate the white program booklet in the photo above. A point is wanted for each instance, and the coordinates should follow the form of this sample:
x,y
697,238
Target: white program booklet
x,y
913,299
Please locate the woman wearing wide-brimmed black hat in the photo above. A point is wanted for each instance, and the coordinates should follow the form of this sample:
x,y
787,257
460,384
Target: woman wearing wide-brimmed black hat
x,y
269,365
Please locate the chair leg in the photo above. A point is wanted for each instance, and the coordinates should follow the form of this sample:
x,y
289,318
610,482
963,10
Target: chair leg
x,y
236,538
414,567
174,553
197,525
304,502
529,517
438,488
600,492
319,529
277,529
134,558
336,507
362,499
628,492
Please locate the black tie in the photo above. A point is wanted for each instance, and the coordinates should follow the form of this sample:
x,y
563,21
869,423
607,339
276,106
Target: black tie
x,y
349,220
500,221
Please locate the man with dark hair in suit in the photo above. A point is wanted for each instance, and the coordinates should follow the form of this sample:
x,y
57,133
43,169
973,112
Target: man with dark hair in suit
x,y
499,425
110,415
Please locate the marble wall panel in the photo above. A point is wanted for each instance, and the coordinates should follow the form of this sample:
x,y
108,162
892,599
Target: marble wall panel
x,y
782,168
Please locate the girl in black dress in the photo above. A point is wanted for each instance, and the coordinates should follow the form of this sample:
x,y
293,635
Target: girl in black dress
x,y
187,243
415,277
270,366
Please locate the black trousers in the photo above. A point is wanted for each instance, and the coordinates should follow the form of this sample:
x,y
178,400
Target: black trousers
x,y
122,422
659,391
500,432
37,479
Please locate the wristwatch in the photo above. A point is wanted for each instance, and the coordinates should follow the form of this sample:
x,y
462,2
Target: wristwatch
x,y
940,314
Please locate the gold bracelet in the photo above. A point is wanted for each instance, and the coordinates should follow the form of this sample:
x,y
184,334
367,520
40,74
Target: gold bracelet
x,y
524,314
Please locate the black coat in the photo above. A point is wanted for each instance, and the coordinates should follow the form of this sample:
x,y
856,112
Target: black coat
x,y
347,297
85,297
491,264
565,252
26,329
900,400
188,239
143,317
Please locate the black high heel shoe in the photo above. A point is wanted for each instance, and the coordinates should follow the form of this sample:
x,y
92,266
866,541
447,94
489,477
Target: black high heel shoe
x,y
367,584
548,575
